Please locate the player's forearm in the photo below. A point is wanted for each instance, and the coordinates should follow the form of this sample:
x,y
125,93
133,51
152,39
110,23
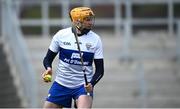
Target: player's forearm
x,y
48,59
97,76
99,72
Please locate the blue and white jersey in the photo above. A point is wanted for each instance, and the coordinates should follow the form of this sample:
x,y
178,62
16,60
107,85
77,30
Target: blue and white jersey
x,y
69,71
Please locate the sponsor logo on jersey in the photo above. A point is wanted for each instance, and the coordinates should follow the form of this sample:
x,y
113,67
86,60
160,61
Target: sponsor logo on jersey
x,y
66,43
76,55
73,57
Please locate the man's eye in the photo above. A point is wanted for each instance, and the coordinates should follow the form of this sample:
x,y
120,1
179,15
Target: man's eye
x,y
88,19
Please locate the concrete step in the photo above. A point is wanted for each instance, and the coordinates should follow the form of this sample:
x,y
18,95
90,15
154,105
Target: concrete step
x,y
38,42
116,102
153,42
155,102
8,90
163,102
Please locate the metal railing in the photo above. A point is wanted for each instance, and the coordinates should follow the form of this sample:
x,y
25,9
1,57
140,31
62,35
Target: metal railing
x,y
143,87
121,25
117,21
13,38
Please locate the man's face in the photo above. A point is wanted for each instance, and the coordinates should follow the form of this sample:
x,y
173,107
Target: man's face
x,y
88,22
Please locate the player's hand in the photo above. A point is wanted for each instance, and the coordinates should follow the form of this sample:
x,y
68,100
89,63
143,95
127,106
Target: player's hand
x,y
45,73
89,87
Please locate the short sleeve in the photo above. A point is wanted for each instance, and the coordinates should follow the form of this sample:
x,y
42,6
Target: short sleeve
x,y
99,50
55,46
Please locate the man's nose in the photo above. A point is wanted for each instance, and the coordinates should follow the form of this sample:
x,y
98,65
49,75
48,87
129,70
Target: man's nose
x,y
90,22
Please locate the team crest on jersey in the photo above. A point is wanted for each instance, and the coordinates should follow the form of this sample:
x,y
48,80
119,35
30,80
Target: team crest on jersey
x,y
88,46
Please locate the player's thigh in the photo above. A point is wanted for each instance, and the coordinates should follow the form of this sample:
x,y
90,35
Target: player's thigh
x,y
48,104
84,101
